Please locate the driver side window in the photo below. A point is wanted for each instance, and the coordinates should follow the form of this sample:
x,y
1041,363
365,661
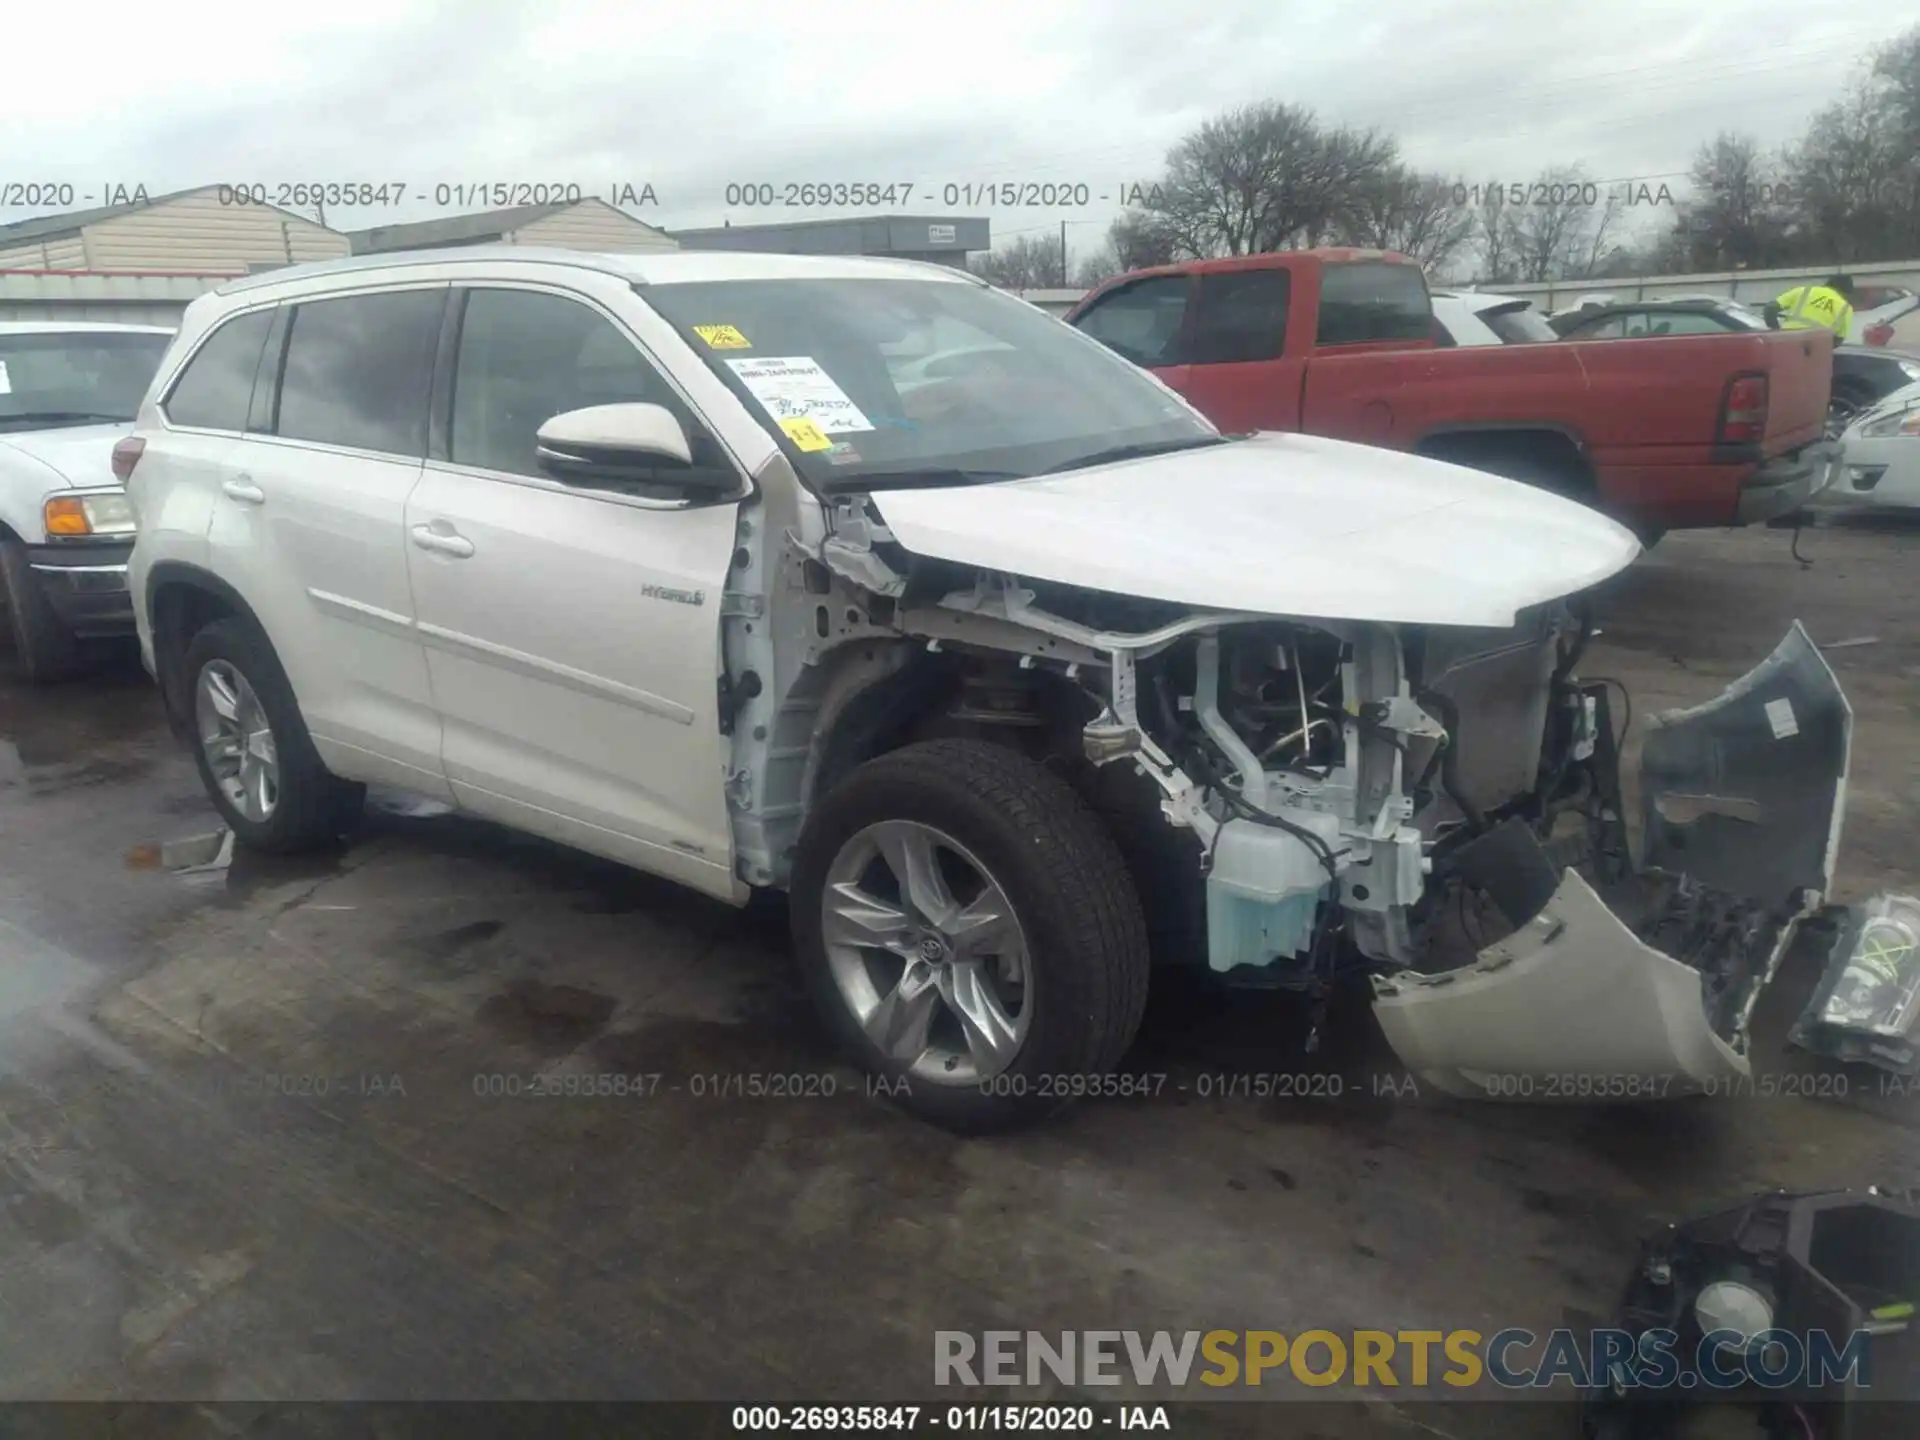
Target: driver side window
x,y
1142,323
525,356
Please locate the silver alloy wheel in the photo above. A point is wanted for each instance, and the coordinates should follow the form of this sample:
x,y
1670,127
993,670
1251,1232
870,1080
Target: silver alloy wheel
x,y
237,740
927,952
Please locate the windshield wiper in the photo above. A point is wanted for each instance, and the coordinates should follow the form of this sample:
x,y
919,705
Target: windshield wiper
x,y
1137,451
927,478
62,417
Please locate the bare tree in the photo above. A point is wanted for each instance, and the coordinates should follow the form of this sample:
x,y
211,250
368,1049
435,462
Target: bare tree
x,y
1141,238
1840,176
1028,262
1418,215
1557,226
1491,228
1738,213
1262,177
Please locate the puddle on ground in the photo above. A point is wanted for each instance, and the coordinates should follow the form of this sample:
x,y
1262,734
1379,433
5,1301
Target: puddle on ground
x,y
549,1019
36,974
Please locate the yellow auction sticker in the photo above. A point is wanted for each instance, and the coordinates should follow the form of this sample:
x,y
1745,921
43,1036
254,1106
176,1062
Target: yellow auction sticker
x,y
804,433
722,337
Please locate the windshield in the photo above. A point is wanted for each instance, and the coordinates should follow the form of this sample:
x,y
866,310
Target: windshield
x,y
871,382
1518,324
75,377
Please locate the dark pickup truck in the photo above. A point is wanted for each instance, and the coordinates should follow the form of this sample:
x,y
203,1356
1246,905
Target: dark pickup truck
x,y
1663,433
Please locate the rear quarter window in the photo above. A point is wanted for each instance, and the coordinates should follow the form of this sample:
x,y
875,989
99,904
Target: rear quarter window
x,y
216,388
1371,300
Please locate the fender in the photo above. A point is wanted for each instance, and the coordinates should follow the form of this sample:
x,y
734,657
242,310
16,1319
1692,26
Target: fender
x,y
1472,429
170,634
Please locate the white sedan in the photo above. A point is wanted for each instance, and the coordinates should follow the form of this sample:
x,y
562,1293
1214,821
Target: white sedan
x,y
1879,462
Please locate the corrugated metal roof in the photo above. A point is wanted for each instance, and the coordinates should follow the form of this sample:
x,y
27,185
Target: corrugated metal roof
x,y
72,222
454,230
477,229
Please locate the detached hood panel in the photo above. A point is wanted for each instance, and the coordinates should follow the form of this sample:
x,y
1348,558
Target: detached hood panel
x,y
81,455
1279,525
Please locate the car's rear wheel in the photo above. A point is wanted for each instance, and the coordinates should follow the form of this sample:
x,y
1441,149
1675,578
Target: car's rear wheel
x,y
255,756
47,650
970,934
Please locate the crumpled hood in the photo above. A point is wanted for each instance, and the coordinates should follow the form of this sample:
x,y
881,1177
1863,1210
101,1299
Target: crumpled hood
x,y
1280,525
80,455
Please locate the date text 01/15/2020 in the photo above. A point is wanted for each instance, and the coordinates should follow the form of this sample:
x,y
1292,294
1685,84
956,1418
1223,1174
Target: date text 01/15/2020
x,y
922,1419
1580,194
460,193
999,194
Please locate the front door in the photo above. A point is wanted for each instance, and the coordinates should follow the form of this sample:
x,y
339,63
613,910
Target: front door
x,y
572,636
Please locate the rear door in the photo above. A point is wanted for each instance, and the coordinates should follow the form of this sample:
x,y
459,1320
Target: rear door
x,y
192,452
1239,374
307,526
573,635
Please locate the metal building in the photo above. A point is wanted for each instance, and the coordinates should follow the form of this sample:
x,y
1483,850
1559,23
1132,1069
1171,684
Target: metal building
x,y
206,231
945,240
577,225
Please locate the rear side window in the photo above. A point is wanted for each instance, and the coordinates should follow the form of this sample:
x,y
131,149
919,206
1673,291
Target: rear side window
x,y
213,392
1519,325
1240,316
1142,322
358,371
1368,300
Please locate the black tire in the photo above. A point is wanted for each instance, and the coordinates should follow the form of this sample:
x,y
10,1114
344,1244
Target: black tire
x,y
1068,886
47,650
314,806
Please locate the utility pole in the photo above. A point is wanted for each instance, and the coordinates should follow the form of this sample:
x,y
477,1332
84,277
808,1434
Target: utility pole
x,y
1063,254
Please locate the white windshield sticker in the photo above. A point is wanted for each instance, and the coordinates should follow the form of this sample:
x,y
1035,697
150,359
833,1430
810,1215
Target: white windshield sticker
x,y
794,387
1780,717
6,382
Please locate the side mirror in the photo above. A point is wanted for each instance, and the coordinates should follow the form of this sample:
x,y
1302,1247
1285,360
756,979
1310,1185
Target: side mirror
x,y
612,447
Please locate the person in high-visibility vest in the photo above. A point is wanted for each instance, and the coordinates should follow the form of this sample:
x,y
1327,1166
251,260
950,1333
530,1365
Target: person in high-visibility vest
x,y
1814,307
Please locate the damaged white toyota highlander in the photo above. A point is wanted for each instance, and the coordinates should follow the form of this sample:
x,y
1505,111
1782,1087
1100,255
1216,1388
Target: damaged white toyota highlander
x,y
866,582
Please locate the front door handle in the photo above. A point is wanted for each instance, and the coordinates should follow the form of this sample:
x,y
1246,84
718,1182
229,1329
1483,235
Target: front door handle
x,y
241,487
441,542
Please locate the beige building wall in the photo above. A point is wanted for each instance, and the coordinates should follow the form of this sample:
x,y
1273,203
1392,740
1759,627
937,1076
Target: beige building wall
x,y
66,252
195,232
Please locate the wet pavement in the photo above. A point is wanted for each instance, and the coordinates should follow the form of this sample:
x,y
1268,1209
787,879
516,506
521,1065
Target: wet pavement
x,y
315,1130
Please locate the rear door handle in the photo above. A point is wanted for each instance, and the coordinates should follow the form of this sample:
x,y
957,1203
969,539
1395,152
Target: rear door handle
x,y
241,487
428,538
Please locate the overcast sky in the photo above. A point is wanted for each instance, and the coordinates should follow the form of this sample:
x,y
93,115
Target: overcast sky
x,y
691,97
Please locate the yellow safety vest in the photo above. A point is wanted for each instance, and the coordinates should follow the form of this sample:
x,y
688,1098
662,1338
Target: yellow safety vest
x,y
1813,307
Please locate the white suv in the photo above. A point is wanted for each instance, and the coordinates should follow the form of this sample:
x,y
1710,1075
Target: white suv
x,y
1011,675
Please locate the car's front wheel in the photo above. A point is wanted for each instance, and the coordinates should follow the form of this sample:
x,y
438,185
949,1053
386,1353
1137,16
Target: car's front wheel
x,y
47,650
255,756
970,933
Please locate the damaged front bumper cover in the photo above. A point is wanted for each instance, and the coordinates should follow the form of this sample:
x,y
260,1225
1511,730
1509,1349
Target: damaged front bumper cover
x,y
1650,991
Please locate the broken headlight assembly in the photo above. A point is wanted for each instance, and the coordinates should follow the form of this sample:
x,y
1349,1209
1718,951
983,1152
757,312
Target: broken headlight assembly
x,y
1869,1000
1796,1308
